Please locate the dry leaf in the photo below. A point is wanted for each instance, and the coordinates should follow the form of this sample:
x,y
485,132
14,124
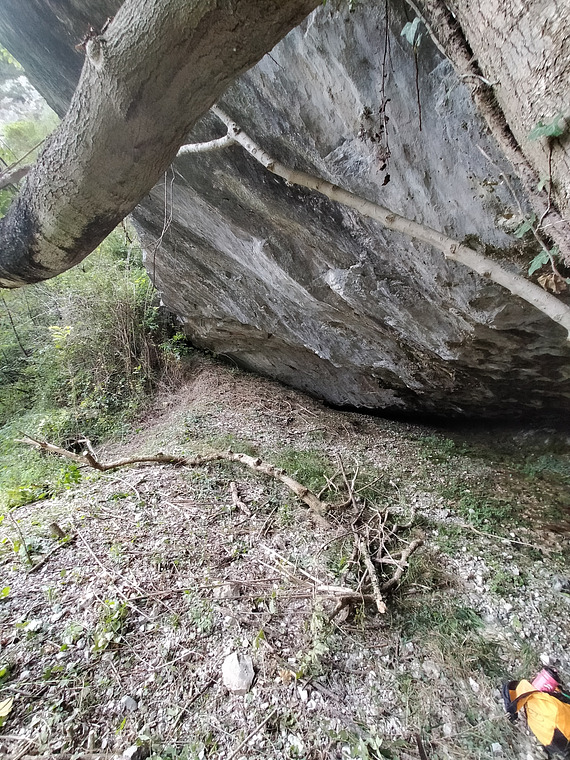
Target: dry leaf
x,y
553,282
286,676
5,708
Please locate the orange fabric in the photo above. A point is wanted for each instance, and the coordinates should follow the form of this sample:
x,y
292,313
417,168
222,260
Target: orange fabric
x,y
544,714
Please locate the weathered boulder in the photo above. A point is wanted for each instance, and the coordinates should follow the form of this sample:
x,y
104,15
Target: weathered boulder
x,y
292,285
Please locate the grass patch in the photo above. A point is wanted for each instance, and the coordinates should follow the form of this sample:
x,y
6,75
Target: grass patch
x,y
482,510
237,445
308,467
453,634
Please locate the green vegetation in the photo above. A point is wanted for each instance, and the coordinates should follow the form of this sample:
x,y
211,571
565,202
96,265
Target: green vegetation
x,y
308,467
21,141
108,631
454,634
553,128
79,356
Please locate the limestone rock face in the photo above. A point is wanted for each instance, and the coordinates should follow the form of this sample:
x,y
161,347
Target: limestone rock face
x,y
294,286
291,285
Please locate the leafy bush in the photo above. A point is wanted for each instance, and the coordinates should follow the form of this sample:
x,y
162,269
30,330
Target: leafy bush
x,y
79,356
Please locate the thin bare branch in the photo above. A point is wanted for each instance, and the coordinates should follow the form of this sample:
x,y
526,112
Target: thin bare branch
x,y
236,501
451,249
402,565
205,147
363,547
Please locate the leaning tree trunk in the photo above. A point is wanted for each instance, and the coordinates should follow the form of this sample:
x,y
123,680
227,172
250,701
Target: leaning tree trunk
x,y
515,56
155,70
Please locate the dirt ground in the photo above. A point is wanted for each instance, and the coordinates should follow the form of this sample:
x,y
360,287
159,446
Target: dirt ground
x,y
116,642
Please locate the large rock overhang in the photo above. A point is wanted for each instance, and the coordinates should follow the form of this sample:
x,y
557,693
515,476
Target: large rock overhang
x,y
297,287
289,284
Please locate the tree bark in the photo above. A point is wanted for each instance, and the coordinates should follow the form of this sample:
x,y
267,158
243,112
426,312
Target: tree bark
x,y
521,51
157,68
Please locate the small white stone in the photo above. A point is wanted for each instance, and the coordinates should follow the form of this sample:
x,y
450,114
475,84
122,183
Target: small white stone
x,y
238,673
545,659
296,743
496,748
227,591
132,753
475,688
128,703
430,669
447,729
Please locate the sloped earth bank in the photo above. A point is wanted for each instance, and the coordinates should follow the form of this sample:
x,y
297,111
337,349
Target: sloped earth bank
x,y
120,636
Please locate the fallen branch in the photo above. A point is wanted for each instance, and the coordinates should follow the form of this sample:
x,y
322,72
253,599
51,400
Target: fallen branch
x,y
363,548
402,565
64,542
251,734
191,701
88,458
236,501
451,249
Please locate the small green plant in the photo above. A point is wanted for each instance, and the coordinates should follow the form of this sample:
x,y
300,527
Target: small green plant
x,y
411,32
72,633
51,594
116,553
112,616
527,225
4,672
200,612
69,476
553,128
177,346
504,582
310,660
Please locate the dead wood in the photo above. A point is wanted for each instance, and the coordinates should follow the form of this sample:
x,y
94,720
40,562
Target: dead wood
x,y
402,565
363,547
88,458
236,501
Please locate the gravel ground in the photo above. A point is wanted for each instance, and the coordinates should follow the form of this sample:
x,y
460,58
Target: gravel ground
x,y
118,639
